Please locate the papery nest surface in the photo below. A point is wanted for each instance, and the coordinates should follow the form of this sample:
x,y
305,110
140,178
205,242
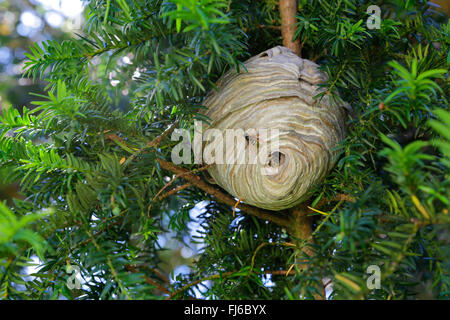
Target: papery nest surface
x,y
271,108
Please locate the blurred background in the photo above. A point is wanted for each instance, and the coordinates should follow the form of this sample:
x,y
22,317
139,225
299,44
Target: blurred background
x,y
23,22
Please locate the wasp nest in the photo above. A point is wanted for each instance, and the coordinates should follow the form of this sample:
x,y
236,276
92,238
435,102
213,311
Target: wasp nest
x,y
275,93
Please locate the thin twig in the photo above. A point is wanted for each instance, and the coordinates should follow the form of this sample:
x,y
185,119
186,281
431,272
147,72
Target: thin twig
x,y
178,176
175,190
262,26
87,241
338,197
276,217
235,206
226,275
154,143
147,279
155,271
285,244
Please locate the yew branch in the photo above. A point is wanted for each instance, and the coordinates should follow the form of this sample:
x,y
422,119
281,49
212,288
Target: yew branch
x,y
227,275
147,279
195,180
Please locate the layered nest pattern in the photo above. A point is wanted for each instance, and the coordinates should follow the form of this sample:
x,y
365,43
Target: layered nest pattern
x,y
276,91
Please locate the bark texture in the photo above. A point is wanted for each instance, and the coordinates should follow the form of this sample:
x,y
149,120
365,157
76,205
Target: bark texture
x,y
288,9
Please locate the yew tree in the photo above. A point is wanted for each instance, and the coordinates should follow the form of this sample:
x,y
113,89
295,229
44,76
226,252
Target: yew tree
x,y
101,203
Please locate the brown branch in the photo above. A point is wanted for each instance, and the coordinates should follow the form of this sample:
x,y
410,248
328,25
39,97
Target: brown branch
x,y
155,271
216,276
301,226
114,137
226,275
262,26
177,176
275,217
302,232
154,143
147,279
281,272
159,274
338,197
98,233
288,10
195,180
175,190
285,244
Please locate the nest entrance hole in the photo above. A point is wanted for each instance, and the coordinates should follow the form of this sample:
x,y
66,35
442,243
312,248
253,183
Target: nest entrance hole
x,y
277,159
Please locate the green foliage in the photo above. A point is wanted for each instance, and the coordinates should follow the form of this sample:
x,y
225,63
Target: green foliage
x,y
198,14
86,151
416,89
443,129
14,230
15,238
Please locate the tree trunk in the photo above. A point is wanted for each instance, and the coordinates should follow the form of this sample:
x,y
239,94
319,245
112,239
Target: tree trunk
x,y
301,230
301,221
288,10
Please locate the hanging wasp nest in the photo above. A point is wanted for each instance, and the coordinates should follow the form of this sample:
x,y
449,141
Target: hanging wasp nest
x,y
295,148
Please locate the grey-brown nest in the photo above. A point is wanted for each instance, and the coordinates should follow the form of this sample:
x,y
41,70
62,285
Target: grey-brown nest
x,y
276,91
